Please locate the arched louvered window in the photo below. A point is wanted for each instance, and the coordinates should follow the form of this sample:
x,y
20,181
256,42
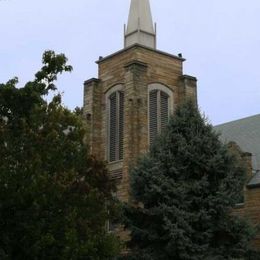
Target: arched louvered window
x,y
115,126
160,106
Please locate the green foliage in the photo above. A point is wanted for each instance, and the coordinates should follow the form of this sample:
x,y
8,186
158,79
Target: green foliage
x,y
186,187
54,197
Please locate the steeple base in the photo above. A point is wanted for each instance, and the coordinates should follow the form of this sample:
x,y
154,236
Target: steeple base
x,y
140,37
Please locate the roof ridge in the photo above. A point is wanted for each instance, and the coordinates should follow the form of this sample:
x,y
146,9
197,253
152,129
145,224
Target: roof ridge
x,y
237,120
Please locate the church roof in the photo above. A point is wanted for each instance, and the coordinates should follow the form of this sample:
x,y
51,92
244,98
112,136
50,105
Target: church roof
x,y
246,133
255,181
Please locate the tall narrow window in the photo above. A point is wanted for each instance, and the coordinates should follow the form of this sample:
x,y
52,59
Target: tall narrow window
x,y
116,126
153,113
164,109
160,99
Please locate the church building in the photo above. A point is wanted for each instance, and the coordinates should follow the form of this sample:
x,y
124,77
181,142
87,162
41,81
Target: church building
x,y
245,134
137,89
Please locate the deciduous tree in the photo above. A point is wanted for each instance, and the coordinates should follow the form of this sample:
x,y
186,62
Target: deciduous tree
x,y
54,197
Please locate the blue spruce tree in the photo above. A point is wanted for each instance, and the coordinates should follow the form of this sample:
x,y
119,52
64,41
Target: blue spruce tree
x,y
184,191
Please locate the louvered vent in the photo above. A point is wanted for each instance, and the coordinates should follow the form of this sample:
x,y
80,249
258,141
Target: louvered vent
x,y
158,113
112,127
116,126
164,110
116,175
121,125
153,115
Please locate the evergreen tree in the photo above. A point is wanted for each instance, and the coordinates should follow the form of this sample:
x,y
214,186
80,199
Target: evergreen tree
x,y
185,189
54,197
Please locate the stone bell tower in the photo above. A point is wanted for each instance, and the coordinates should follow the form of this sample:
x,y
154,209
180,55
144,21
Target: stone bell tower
x,y
130,102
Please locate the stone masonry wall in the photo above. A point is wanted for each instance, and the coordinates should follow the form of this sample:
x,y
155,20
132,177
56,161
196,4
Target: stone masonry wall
x,y
250,208
134,68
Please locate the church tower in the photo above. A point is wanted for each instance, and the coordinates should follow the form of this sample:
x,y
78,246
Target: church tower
x,y
130,102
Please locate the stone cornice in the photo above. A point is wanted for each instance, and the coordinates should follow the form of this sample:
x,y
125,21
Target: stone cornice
x,y
135,46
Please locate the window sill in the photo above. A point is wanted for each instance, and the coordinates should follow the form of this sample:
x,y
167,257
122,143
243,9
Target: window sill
x,y
239,205
112,166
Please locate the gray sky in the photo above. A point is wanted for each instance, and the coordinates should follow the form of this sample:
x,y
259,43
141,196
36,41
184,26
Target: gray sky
x,y
219,38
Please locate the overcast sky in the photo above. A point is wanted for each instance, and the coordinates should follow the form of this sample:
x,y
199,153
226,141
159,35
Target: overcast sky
x,y
219,38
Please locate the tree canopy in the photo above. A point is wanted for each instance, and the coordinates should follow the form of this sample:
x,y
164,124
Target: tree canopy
x,y
184,191
54,197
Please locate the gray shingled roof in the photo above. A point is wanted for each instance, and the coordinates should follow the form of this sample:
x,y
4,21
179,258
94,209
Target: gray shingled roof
x,y
255,181
246,133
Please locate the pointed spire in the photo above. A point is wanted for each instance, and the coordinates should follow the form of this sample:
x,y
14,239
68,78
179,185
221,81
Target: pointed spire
x,y
140,27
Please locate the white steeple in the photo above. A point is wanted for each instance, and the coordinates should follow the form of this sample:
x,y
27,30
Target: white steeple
x,y
140,27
